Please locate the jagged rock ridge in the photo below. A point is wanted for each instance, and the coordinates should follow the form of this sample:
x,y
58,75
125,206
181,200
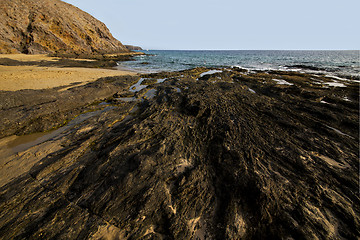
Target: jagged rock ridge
x,y
52,26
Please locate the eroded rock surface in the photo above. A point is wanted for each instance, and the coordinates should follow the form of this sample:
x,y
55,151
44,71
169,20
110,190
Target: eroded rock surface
x,y
29,111
52,26
226,154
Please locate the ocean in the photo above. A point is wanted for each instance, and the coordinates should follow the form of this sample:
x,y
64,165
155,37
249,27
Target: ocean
x,y
333,63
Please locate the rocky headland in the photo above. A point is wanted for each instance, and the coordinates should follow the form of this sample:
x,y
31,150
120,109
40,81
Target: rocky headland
x,y
131,47
53,26
196,154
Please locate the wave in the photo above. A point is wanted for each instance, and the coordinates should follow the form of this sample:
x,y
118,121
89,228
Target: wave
x,y
337,63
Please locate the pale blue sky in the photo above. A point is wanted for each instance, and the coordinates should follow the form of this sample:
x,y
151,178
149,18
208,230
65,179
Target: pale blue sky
x,y
230,24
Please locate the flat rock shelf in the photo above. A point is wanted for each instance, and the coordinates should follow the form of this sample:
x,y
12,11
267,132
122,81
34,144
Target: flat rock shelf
x,y
196,154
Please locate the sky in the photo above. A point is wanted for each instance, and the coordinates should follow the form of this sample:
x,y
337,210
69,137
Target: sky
x,y
230,24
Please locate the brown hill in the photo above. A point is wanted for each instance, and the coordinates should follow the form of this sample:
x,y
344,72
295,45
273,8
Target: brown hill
x,y
52,26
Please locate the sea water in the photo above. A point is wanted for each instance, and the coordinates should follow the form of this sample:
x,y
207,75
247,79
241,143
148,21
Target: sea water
x,y
335,63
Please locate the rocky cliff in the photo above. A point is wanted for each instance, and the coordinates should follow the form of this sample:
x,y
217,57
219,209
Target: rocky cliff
x,y
52,26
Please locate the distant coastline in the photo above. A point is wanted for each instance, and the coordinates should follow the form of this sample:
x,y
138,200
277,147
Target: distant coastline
x,y
133,48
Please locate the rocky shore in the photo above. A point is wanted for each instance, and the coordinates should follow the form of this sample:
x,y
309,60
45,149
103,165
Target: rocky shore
x,y
196,154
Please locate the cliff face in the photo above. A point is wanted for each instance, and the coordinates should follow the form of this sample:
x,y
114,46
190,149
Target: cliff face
x,y
52,26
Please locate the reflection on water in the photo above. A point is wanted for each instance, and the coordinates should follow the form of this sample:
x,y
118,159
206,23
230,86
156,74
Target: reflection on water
x,y
126,99
137,86
22,143
17,144
150,94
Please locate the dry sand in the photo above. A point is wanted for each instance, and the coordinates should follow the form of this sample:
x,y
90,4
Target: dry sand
x,y
13,78
29,58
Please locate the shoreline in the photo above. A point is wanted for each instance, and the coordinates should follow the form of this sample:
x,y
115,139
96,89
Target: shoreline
x,y
20,71
281,140
14,78
343,65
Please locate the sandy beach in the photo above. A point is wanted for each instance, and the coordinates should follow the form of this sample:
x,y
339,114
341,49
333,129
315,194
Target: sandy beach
x,y
13,78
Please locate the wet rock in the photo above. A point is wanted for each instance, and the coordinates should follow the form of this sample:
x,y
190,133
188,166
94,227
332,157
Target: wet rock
x,y
306,67
214,161
27,111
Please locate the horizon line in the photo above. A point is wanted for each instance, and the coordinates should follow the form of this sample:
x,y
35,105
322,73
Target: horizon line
x,y
153,49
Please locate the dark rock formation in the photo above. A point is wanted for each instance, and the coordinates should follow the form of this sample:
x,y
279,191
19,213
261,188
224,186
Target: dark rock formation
x,y
52,26
130,47
98,61
28,111
228,155
307,67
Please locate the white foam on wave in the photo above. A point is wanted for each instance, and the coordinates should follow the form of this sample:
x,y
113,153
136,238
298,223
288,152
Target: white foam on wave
x,y
242,67
254,68
268,68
